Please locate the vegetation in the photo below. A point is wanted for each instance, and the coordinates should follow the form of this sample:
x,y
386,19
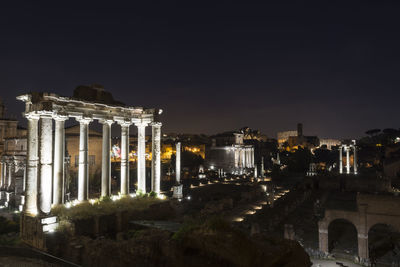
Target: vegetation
x,y
9,226
104,206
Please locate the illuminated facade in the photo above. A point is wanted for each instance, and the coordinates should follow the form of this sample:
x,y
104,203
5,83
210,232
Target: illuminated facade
x,y
236,158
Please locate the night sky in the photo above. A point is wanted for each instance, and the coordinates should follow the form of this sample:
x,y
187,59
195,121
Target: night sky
x,y
214,66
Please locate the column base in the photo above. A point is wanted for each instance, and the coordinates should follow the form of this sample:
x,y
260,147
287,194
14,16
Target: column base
x,y
10,200
178,191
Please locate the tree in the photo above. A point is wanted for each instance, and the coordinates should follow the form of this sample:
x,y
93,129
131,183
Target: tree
x,y
373,132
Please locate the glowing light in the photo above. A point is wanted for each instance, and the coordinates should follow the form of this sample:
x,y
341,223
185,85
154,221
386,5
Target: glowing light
x,y
188,197
250,212
132,195
161,196
68,205
115,197
92,201
257,207
238,219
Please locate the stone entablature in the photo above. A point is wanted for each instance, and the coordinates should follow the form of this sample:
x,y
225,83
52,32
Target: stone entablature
x,y
52,104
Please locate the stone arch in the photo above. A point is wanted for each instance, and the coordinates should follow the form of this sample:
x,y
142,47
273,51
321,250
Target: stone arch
x,y
384,237
340,227
330,216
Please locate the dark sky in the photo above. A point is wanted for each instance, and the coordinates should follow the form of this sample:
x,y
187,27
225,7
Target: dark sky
x,y
215,66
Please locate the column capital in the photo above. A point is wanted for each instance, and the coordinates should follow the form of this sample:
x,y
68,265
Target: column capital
x,y
141,124
84,120
32,116
106,121
58,117
124,123
156,124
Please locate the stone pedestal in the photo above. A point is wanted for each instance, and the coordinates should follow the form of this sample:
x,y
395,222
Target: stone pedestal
x,y
178,191
33,229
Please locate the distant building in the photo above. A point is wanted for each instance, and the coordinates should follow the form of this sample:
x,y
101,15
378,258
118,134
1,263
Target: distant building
x,y
13,148
296,139
13,163
94,149
8,127
329,143
283,137
230,154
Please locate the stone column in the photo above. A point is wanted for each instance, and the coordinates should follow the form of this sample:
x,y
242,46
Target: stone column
x,y
31,193
2,175
243,158
6,171
236,157
24,179
323,240
156,157
125,157
83,171
348,159
341,159
106,159
247,157
59,153
363,247
11,178
355,160
262,167
141,156
178,163
252,157
46,163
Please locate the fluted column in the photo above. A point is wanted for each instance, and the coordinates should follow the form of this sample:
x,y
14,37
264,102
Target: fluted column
x,y
340,159
106,159
156,157
355,159
83,171
59,154
124,157
141,156
348,159
46,163
31,193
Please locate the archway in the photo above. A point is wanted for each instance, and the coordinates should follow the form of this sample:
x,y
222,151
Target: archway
x,y
384,244
342,237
